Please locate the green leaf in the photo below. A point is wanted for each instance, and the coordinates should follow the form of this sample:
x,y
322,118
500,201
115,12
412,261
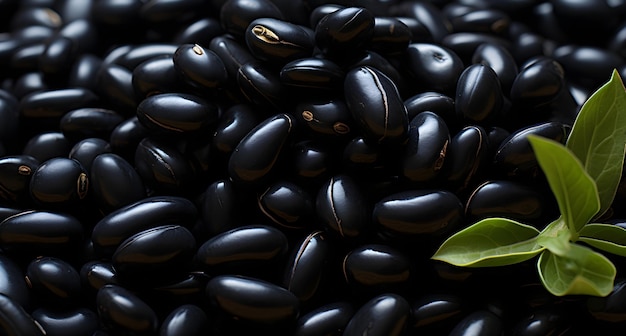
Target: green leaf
x,y
574,189
555,237
598,138
581,271
606,237
490,242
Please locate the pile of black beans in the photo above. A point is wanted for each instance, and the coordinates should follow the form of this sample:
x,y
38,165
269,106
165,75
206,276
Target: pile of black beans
x,y
287,167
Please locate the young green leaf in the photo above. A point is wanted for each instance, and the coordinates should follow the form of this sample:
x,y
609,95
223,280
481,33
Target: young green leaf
x,y
581,271
599,135
606,237
490,242
555,237
574,189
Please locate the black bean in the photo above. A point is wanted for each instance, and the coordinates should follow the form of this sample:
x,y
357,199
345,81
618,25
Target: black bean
x,y
518,202
116,14
236,15
610,308
328,118
95,274
41,232
322,10
55,103
27,83
233,53
435,102
542,321
329,319
500,61
233,126
154,254
188,288
114,182
436,310
252,300
287,204
54,282
427,147
114,83
261,85
413,213
83,33
194,114
391,36
375,60
341,207
482,322
13,284
36,16
376,105
305,272
482,20
163,167
155,76
435,68
85,151
312,73
312,162
467,153
15,320
538,83
377,266
71,10
141,53
89,122
345,32
278,41
15,175
71,322
57,58
587,66
464,44
59,182
45,146
386,314
200,32
362,155
27,58
479,96
159,11
428,15
200,67
243,250
255,155
185,320
218,208
121,311
148,213
84,72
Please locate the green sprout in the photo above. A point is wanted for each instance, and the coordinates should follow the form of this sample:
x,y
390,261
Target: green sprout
x,y
583,176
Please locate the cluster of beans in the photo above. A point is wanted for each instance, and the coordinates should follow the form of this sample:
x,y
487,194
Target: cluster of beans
x,y
228,167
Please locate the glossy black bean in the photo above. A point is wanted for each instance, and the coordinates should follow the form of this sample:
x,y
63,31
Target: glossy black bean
x,y
255,155
362,155
382,116
328,118
515,156
83,33
72,322
312,73
538,83
41,233
419,212
200,67
377,61
71,10
496,136
467,153
244,249
386,314
322,10
160,11
186,289
126,136
84,72
435,102
185,320
377,266
233,126
218,207
509,199
27,83
427,147
341,206
312,162
15,320
95,274
434,67
27,58
428,15
236,15
500,61
47,145
287,204
490,21
89,122
542,322
141,53
587,66
391,36
114,182
15,175
148,213
163,167
115,85
13,284
233,53
436,310
610,308
306,269
278,41
154,254
200,32
527,45
57,58
36,16
464,44
329,319
345,32
479,96
116,13
193,114
155,76
85,151
480,322
55,103
261,85
59,182
588,19
53,281
121,311
252,300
